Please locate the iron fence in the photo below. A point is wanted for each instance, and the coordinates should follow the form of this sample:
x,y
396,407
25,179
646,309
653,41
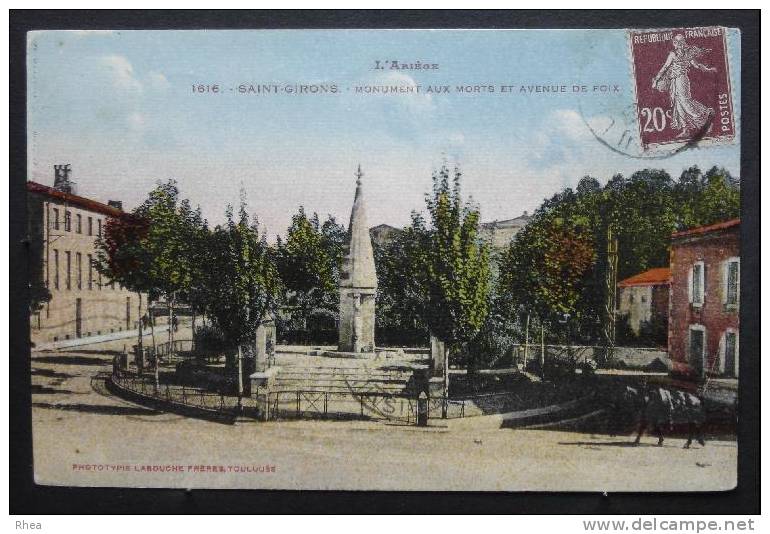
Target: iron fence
x,y
288,404
178,345
170,353
340,405
183,396
355,405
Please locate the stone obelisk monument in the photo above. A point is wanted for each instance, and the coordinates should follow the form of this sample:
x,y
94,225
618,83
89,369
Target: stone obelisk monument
x,y
358,281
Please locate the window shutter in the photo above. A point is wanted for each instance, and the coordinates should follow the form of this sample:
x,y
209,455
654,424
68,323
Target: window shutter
x,y
725,280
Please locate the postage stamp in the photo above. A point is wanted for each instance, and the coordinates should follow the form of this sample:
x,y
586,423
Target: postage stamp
x,y
682,83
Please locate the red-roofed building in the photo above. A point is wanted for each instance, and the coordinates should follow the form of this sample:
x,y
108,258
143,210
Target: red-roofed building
x,y
62,229
705,299
643,298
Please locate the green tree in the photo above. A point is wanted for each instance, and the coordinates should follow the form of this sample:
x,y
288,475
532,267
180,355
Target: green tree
x,y
122,257
545,272
643,211
721,199
309,262
242,282
643,214
454,264
401,285
167,244
548,272
195,233
154,249
334,237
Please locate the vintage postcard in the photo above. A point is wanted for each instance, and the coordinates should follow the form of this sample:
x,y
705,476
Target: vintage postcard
x,y
447,260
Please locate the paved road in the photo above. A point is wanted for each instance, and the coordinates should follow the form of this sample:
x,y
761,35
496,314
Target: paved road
x,y
77,424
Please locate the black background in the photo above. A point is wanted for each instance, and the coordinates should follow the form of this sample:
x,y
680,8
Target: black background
x,y
28,498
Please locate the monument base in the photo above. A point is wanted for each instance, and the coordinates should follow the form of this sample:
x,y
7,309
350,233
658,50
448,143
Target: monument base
x,y
436,387
376,354
263,379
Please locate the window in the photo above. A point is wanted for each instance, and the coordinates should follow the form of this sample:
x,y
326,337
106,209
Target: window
x,y
99,283
697,289
732,281
729,363
68,254
67,221
697,348
55,269
79,226
90,226
644,298
55,219
630,298
99,227
90,269
79,262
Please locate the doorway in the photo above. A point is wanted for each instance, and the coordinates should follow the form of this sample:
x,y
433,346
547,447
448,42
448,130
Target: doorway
x,y
697,345
731,354
78,317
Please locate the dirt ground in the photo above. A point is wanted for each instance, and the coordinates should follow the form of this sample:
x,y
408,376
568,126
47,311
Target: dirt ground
x,y
85,436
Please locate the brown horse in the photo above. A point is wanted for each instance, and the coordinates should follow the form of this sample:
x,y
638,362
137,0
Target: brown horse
x,y
661,408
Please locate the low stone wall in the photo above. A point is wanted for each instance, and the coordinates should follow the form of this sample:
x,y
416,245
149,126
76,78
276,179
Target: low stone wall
x,y
641,357
634,357
103,338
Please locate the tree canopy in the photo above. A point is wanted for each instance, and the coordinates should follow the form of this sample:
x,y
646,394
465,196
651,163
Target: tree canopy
x,y
309,262
557,263
453,262
241,279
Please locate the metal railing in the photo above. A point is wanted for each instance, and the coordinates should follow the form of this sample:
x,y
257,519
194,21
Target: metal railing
x,y
340,405
355,405
178,345
176,351
185,396
287,404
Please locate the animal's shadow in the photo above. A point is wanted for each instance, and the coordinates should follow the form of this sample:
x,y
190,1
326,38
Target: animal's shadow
x,y
598,444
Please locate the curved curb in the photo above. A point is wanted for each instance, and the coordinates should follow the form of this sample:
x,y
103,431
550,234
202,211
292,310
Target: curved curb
x,y
569,421
516,418
167,406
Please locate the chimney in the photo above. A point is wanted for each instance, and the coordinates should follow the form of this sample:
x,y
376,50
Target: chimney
x,y
61,179
525,213
117,204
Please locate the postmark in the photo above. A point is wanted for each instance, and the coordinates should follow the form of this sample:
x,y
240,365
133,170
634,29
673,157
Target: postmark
x,y
681,79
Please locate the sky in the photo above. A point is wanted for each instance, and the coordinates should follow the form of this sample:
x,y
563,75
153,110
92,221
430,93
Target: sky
x,y
120,108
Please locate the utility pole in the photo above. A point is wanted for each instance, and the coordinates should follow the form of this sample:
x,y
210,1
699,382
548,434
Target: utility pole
x,y
140,344
156,371
526,343
542,350
611,282
445,400
240,379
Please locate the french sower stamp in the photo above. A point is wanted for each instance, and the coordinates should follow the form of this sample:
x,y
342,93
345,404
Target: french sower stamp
x,y
682,83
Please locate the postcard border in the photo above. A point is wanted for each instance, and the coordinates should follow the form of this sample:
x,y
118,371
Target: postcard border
x,y
28,498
